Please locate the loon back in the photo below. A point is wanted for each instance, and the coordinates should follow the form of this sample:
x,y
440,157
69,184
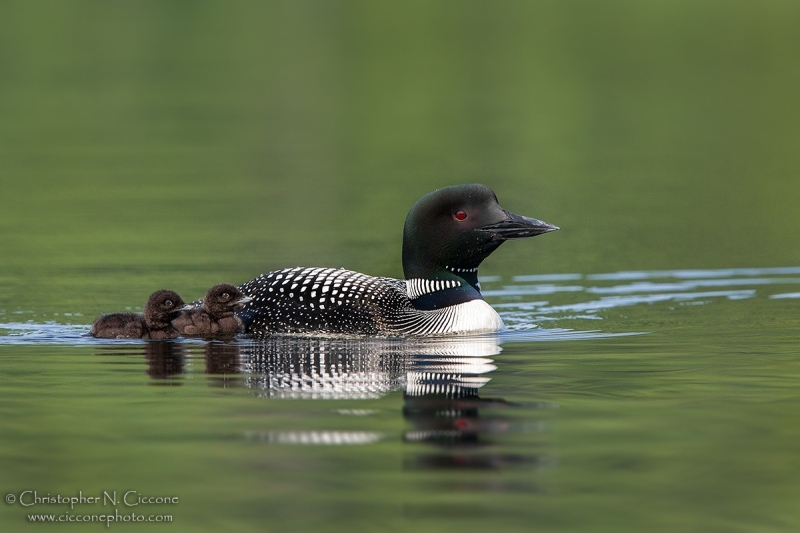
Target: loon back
x,y
447,234
342,302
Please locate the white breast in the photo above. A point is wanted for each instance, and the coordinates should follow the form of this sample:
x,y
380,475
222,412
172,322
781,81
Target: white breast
x,y
475,316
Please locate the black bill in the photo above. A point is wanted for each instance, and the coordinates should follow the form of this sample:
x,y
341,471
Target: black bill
x,y
518,226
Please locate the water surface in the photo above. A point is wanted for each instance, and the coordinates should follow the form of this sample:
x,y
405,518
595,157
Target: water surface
x,y
615,403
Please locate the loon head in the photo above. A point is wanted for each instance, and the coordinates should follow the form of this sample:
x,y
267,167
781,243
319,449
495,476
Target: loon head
x,y
162,306
450,231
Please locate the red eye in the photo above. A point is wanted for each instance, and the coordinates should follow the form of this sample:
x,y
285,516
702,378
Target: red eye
x,y
461,215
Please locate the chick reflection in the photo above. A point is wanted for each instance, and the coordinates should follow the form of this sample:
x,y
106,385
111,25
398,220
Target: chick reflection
x,y
165,359
223,360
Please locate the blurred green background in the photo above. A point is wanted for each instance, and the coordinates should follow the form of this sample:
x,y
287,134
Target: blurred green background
x,y
180,144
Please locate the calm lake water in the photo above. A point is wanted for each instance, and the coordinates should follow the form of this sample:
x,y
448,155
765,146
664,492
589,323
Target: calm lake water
x,y
648,376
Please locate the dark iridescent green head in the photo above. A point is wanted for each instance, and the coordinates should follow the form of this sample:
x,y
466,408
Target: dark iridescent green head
x,y
455,228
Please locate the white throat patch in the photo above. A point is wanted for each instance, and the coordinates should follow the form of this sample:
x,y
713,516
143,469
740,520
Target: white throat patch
x,y
419,287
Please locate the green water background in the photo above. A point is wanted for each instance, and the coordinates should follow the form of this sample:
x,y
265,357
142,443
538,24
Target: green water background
x,y
181,144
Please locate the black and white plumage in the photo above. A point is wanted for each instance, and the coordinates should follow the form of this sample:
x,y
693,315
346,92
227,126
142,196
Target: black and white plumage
x,y
447,234
325,300
420,287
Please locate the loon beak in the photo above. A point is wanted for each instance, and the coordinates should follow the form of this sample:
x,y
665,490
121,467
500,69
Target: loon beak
x,y
187,307
518,226
242,301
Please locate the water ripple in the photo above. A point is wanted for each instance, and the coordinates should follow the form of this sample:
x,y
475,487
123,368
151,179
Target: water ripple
x,y
695,274
690,285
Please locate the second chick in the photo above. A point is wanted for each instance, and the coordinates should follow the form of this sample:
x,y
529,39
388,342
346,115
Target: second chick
x,y
217,317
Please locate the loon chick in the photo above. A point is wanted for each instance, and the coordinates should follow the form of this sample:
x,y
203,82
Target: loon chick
x,y
160,308
447,234
216,317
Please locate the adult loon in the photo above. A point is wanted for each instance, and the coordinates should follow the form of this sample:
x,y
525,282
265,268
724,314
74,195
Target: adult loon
x,y
216,317
447,234
161,307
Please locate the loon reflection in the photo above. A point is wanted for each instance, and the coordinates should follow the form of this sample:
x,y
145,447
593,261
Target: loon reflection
x,y
330,369
440,379
448,422
339,369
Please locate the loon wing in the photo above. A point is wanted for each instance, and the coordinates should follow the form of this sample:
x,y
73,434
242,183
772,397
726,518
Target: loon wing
x,y
321,301
326,301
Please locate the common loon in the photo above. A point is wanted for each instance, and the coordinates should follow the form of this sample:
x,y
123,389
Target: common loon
x,y
216,318
161,307
447,234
